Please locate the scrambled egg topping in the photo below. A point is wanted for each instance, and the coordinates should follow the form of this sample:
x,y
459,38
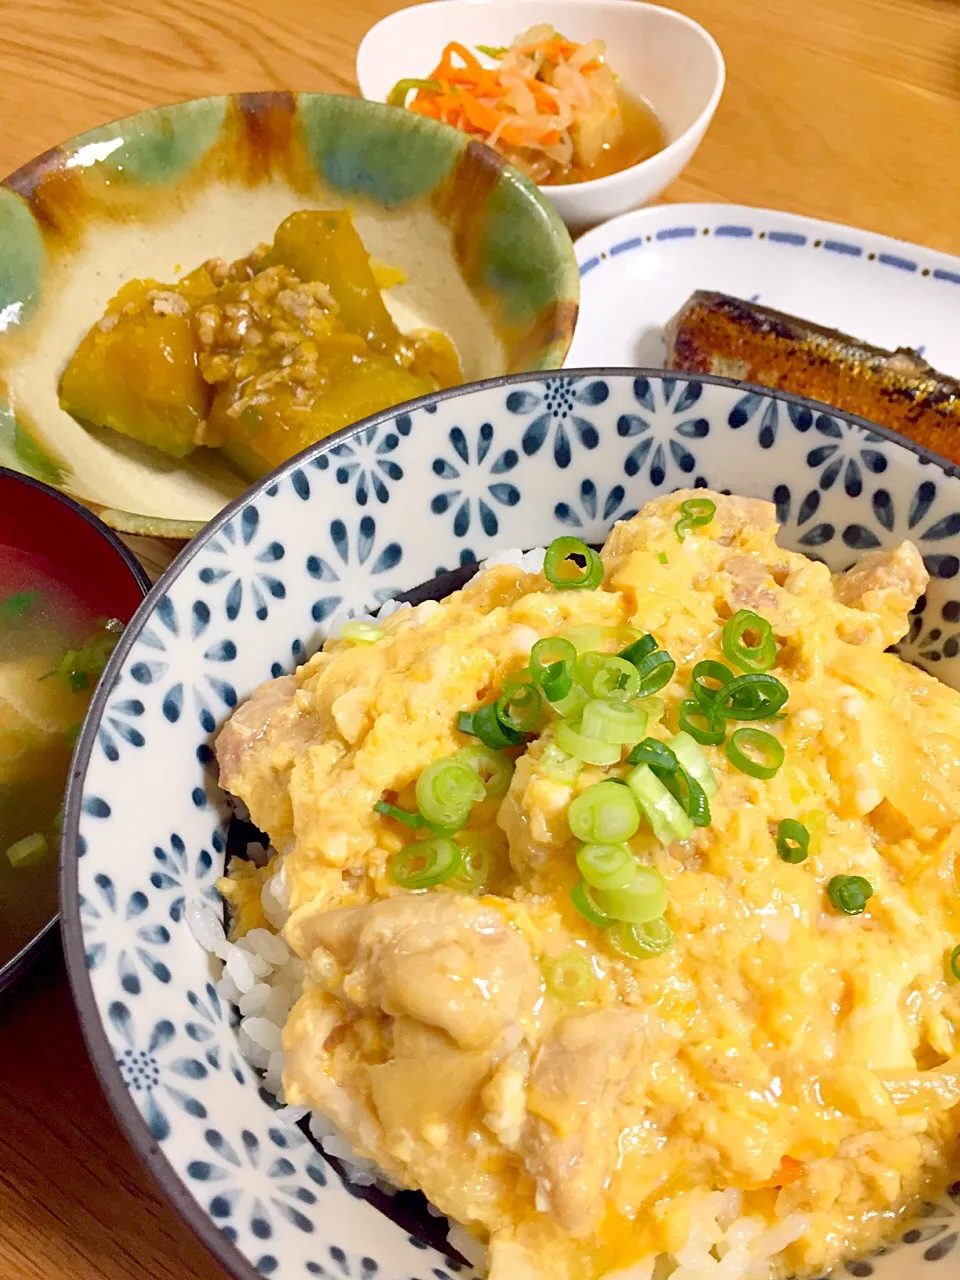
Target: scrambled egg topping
x,y
802,1057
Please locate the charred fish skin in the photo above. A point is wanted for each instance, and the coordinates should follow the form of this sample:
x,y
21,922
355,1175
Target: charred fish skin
x,y
718,334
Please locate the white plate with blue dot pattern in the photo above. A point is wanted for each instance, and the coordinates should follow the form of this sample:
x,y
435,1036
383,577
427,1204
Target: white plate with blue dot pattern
x,y
357,519
638,270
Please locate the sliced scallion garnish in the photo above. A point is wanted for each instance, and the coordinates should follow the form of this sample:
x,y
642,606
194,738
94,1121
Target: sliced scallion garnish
x,y
575,743
754,696
759,656
520,703
604,814
446,792
793,840
642,941
569,977
641,901
412,820
607,866
694,513
694,760
570,564
849,894
659,807
425,863
551,665
755,752
655,671
493,768
483,724
581,895
477,861
611,720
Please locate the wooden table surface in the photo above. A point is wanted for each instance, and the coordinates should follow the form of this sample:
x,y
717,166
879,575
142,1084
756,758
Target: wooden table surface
x,y
842,109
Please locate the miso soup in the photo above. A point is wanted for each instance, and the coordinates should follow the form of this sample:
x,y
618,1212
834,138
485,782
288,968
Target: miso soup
x,y
52,651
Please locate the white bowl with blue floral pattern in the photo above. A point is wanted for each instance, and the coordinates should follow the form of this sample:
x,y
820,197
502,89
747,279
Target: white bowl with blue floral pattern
x,y
359,518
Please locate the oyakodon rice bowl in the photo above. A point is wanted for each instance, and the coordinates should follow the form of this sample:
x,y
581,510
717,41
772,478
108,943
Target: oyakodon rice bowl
x,y
703,1024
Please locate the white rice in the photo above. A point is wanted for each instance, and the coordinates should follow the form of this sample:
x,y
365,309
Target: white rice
x,y
263,979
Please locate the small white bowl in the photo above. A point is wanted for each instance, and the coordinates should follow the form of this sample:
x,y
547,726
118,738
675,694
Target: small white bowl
x,y
661,56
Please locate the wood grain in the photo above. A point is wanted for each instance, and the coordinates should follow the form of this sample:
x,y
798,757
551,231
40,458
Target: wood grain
x,y
842,109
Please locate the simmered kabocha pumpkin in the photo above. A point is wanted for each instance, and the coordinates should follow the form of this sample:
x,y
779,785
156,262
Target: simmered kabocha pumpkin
x,y
137,370
261,357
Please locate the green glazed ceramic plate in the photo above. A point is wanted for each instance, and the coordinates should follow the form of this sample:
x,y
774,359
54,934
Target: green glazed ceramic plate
x,y
487,261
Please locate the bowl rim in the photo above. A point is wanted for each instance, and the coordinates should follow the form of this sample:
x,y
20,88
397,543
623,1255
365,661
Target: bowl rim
x,y
563,191
91,1023
18,964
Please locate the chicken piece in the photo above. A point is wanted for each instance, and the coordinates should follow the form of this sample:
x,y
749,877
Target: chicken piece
x,y
887,584
571,1140
443,959
751,584
256,751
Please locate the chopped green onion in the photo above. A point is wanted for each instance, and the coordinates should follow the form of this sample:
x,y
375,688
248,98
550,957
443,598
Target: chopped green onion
x,y
57,823
569,977
611,720
640,649
653,706
359,632
483,724
955,962
662,558
16,605
793,840
77,665
691,758
660,808
28,851
603,814
557,765
640,902
477,860
642,941
397,97
759,741
446,792
519,704
709,670
607,866
581,895
571,706
492,51
587,637
589,750
849,894
694,513
425,863
701,724
551,665
655,671
563,569
689,794
749,657
492,767
749,697
413,820
653,752
604,675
